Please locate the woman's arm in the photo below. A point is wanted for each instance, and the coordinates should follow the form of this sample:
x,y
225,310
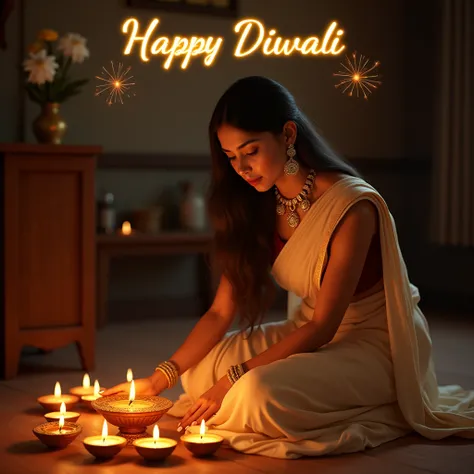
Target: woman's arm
x,y
207,332
349,248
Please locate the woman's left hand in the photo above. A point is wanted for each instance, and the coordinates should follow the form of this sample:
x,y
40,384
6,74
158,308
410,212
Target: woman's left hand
x,y
207,405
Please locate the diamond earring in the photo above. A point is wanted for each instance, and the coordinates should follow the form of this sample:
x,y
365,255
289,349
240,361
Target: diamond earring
x,y
291,166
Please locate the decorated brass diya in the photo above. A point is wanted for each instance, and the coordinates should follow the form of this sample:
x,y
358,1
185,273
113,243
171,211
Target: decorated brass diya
x,y
132,415
57,434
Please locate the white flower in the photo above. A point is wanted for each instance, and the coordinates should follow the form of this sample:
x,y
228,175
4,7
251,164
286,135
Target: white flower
x,y
74,45
42,68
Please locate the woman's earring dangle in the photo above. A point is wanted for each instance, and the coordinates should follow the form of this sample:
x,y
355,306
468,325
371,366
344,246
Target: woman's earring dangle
x,y
291,166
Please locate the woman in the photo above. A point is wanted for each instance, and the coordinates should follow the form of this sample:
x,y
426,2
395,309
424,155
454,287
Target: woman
x,y
351,368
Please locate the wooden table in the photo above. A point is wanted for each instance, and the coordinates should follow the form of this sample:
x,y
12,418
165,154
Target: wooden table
x,y
144,245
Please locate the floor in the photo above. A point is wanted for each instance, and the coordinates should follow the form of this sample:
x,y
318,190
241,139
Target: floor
x,y
141,345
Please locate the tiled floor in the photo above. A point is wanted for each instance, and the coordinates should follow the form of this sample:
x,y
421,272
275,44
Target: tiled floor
x,y
140,346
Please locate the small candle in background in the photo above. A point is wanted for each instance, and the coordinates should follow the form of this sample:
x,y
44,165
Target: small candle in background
x,y
53,402
126,228
85,389
88,399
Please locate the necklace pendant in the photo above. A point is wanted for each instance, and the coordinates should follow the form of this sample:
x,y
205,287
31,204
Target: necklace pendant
x,y
305,205
280,209
293,219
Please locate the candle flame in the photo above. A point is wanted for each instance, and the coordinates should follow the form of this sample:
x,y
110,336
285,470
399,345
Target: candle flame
x,y
126,228
57,390
61,423
105,431
129,375
156,433
96,388
132,392
86,381
62,410
202,430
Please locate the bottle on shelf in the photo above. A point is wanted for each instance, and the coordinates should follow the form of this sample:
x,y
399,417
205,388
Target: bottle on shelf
x,y
192,208
107,214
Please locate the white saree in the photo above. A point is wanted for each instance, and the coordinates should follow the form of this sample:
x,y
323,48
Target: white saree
x,y
374,382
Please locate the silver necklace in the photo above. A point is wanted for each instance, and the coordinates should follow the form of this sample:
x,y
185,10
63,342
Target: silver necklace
x,y
301,200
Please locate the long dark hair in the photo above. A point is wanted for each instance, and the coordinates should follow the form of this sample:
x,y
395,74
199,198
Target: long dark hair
x,y
243,219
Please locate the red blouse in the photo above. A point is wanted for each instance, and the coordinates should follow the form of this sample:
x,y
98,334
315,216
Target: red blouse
x,y
279,243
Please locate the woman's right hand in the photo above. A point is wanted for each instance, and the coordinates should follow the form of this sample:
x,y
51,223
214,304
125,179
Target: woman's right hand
x,y
152,385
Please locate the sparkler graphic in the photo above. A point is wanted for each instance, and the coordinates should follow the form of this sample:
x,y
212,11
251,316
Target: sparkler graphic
x,y
356,76
117,82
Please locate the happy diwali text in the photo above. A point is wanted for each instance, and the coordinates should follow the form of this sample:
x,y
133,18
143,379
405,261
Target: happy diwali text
x,y
252,37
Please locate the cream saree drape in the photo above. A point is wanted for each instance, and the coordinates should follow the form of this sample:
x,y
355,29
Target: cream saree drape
x,y
374,382
453,171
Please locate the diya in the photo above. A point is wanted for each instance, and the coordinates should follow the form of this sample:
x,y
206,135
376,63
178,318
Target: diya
x,y
57,434
88,399
132,415
71,416
156,448
86,388
53,402
105,446
202,444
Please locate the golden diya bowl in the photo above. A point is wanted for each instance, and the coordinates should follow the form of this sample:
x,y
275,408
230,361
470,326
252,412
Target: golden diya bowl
x,y
202,445
55,438
132,418
154,450
70,416
88,399
104,448
52,403
81,391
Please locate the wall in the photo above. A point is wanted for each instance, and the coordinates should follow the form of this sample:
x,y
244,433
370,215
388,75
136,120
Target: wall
x,y
171,108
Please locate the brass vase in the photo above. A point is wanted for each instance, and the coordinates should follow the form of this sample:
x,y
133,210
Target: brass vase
x,y
49,127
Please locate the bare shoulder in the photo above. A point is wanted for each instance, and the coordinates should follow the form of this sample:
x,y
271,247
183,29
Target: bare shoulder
x,y
361,219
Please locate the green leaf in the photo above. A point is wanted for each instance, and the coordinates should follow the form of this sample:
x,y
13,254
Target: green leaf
x,y
36,93
78,83
71,89
71,94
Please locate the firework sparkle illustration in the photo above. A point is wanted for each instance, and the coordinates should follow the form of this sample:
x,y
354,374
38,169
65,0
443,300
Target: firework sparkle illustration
x,y
359,76
116,82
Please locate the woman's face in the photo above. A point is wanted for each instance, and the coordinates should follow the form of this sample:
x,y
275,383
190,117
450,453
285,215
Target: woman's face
x,y
259,157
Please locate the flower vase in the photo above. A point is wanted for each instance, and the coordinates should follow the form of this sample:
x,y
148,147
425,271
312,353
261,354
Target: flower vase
x,y
49,127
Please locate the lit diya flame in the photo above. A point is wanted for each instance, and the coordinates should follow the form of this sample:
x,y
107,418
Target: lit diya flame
x,y
132,393
57,390
86,381
105,431
96,389
61,423
156,434
129,375
202,430
62,409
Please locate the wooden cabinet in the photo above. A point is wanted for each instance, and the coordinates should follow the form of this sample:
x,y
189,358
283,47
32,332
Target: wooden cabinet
x,y
47,229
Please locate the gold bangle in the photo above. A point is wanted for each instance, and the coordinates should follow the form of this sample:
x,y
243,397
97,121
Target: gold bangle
x,y
234,373
170,371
